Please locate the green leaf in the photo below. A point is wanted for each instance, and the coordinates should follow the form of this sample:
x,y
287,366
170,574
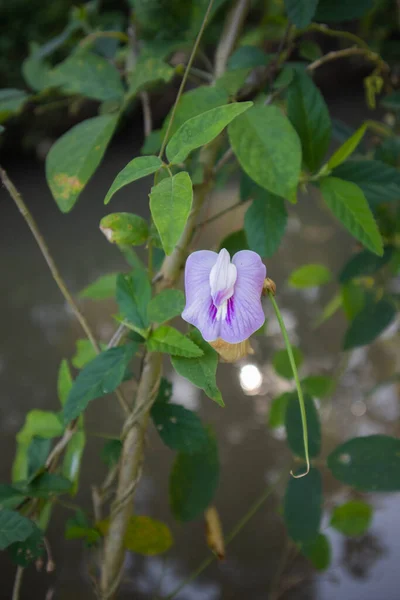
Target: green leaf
x,y
125,228
302,509
389,151
89,75
318,552
277,411
75,156
104,287
234,242
265,223
10,497
14,528
379,182
147,72
11,102
166,305
342,10
170,204
310,50
133,297
294,430
78,527
202,129
329,310
64,381
193,481
111,452
301,12
73,460
317,386
84,353
347,202
281,362
267,148
137,168
309,115
369,323
26,552
248,57
364,263
310,276
38,74
346,148
179,428
354,298
98,378
44,484
369,464
170,340
200,371
352,518
143,535
38,452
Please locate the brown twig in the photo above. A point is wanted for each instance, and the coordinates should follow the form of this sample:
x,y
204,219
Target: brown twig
x,y
233,24
353,51
17,583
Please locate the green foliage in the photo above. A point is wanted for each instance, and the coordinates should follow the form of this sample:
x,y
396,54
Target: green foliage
x,y
125,228
200,371
318,386
104,287
277,411
267,148
133,296
347,148
193,481
318,552
38,452
353,299
75,156
369,464
352,518
179,428
265,223
294,430
234,242
170,340
310,50
143,535
347,202
302,508
85,352
13,528
43,485
310,276
78,527
166,305
64,381
111,452
73,458
379,182
136,169
98,378
25,552
309,115
281,362
369,323
364,263
170,204
342,10
301,13
246,57
202,129
10,496
11,103
147,72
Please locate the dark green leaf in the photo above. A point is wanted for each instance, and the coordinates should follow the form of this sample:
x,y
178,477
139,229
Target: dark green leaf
x,y
166,305
164,391
200,371
347,202
170,204
38,74
179,428
267,148
342,10
38,452
364,263
282,364
13,528
276,417
44,485
248,57
294,429
84,353
104,287
318,552
133,297
75,156
369,323
347,148
11,102
369,464
352,518
111,452
389,151
98,378
232,81
265,223
310,276
193,481
170,340
301,12
379,182
310,50
10,497
136,169
318,386
147,72
234,242
125,228
309,116
28,551
303,507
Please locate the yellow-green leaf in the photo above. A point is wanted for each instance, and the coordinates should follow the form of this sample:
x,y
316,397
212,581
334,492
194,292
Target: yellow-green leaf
x,y
143,535
347,148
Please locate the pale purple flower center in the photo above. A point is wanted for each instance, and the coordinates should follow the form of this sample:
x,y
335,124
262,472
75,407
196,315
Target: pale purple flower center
x,y
223,277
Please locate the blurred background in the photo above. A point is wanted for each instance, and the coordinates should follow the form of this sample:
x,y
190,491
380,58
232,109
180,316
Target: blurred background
x,y
38,330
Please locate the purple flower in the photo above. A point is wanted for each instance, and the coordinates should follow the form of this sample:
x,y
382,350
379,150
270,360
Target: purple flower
x,y
223,298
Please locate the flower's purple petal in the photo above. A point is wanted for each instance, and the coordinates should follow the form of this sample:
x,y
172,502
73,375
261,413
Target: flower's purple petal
x,y
245,314
199,310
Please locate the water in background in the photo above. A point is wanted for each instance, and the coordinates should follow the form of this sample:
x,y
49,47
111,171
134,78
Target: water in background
x,y
38,330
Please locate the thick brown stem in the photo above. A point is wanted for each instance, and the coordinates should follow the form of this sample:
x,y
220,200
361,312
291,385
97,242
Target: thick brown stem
x,y
233,25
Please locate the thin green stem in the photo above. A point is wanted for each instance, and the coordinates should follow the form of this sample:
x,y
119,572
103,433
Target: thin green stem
x,y
185,76
297,381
